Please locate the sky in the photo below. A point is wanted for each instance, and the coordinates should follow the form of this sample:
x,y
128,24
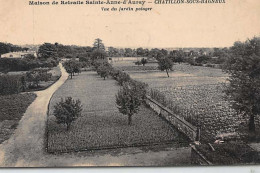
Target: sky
x,y
175,25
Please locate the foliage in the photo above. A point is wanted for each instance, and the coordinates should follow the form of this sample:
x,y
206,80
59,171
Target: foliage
x,y
67,111
104,70
72,67
98,44
29,57
165,64
10,84
144,61
244,88
122,78
47,50
177,56
35,76
202,59
98,54
128,100
18,64
138,63
7,47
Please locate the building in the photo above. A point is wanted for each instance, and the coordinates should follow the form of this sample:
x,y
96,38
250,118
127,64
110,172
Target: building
x,y
18,54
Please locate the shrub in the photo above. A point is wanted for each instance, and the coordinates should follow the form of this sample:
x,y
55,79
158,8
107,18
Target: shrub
x,y
140,88
144,61
25,64
138,63
35,76
67,111
10,84
122,77
114,73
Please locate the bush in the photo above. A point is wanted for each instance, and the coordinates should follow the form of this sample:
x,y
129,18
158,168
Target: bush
x,y
114,73
138,63
144,61
11,84
122,77
67,111
25,64
35,76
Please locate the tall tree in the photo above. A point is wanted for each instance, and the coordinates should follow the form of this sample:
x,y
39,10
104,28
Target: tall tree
x,y
98,44
244,88
47,50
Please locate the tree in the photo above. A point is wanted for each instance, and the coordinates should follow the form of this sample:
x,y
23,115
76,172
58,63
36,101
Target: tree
x,y
165,64
104,70
98,44
47,50
177,56
202,59
144,61
98,54
140,51
128,100
244,87
67,111
29,57
72,66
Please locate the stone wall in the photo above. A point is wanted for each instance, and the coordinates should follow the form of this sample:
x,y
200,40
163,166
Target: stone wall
x,y
178,122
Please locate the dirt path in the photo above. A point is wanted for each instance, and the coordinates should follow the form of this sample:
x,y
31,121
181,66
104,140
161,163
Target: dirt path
x,y
26,146
26,143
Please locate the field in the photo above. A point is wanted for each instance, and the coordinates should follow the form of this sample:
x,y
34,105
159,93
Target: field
x,y
195,93
11,111
101,125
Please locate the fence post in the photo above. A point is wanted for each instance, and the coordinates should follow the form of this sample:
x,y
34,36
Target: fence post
x,y
198,133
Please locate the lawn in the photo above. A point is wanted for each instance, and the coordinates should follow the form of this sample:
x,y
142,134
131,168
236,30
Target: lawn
x,y
101,125
11,111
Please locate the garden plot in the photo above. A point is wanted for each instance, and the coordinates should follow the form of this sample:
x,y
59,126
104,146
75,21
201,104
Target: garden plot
x,y
101,125
196,94
11,111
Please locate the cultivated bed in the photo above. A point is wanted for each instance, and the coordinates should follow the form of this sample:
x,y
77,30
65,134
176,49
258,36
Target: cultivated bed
x,y
11,111
101,125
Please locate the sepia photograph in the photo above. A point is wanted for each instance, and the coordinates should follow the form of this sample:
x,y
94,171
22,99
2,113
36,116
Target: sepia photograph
x,y
129,83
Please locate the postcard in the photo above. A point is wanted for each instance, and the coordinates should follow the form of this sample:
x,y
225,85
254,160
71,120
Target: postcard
x,y
119,83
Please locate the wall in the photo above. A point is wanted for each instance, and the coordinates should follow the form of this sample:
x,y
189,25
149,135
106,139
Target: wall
x,y
197,158
181,124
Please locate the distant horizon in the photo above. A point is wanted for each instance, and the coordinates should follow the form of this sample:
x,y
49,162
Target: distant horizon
x,y
132,47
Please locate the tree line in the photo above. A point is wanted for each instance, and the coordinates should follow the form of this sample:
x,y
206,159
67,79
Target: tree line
x,y
7,47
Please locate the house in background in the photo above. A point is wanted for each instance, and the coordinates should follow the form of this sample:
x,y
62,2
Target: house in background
x,y
18,54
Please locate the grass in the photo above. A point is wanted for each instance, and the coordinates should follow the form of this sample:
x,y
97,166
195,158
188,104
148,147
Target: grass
x,y
130,66
11,111
229,153
101,125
